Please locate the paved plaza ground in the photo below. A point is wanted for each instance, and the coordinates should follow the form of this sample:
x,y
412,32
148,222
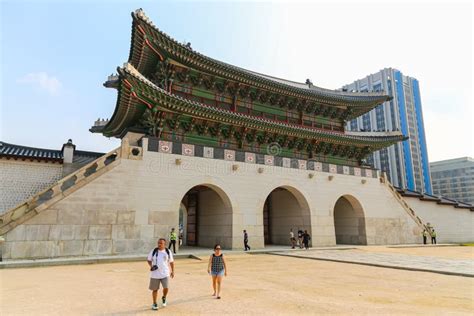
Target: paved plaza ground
x,y
450,260
257,284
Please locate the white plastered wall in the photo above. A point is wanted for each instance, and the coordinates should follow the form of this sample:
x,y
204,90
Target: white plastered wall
x,y
451,224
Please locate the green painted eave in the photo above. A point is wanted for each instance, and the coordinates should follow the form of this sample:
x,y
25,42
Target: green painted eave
x,y
135,91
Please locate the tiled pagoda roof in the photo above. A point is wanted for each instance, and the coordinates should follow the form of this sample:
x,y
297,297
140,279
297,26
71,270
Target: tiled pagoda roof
x,y
135,91
23,152
438,199
18,152
149,44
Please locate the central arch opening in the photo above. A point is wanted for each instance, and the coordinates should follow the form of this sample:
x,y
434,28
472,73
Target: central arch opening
x,y
349,221
206,217
285,209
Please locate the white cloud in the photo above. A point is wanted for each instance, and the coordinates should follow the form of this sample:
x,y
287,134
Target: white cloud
x,y
43,81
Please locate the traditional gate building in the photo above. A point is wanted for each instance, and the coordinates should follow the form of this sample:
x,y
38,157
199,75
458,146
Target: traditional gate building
x,y
215,149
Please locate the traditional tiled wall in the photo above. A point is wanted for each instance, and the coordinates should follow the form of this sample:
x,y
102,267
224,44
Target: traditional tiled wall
x,y
20,180
178,148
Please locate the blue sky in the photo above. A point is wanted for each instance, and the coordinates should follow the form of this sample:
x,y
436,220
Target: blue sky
x,y
56,55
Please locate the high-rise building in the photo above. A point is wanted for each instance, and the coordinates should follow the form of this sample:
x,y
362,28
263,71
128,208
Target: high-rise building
x,y
406,163
454,178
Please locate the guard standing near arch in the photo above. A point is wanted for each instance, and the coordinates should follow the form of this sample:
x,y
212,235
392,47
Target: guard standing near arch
x,y
425,236
433,237
173,238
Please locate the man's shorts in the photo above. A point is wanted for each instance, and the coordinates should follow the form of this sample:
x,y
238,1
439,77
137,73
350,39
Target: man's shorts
x,y
155,283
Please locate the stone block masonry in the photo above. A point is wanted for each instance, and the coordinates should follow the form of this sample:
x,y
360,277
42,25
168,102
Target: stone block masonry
x,y
126,209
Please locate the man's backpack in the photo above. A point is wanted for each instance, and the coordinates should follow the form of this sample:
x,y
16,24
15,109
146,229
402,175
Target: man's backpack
x,y
155,251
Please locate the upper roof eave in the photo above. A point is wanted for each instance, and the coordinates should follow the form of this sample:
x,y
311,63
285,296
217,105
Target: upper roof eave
x,y
189,57
129,74
123,114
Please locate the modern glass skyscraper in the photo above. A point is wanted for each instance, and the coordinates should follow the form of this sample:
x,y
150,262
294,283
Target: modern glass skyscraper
x,y
405,163
454,178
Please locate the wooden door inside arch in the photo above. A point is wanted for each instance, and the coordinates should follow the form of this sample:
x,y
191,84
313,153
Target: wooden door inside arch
x,y
266,221
192,224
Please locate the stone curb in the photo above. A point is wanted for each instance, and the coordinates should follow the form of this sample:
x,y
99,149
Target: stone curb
x,y
197,255
77,261
379,265
272,252
425,246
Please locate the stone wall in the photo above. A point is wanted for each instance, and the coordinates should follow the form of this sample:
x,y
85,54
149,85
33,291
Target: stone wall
x,y
126,209
20,180
451,224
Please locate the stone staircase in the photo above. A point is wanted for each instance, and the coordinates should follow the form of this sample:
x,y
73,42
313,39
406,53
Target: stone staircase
x,y
67,185
402,202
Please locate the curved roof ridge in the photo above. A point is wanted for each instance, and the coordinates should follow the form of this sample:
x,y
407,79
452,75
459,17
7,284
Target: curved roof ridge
x,y
21,147
14,149
139,13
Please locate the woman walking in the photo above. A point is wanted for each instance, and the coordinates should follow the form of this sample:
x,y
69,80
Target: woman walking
x,y
217,267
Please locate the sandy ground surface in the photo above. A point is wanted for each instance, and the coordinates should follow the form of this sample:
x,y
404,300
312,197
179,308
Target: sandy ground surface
x,y
257,284
455,252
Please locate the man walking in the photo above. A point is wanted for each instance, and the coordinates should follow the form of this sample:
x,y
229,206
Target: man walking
x,y
246,241
306,238
160,261
425,235
433,237
173,238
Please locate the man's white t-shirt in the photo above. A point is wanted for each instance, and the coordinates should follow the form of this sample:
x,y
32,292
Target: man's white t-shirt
x,y
161,260
292,235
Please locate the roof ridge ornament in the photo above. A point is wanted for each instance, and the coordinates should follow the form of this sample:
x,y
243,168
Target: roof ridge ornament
x,y
140,13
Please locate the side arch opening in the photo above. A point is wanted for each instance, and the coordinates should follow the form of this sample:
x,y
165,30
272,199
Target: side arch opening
x,y
285,210
206,217
349,221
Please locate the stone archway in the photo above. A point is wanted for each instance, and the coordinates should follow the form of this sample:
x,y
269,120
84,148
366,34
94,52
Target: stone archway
x,y
208,217
349,221
285,208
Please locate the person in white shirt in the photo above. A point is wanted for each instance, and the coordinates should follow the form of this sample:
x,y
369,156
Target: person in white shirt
x,y
160,261
292,239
